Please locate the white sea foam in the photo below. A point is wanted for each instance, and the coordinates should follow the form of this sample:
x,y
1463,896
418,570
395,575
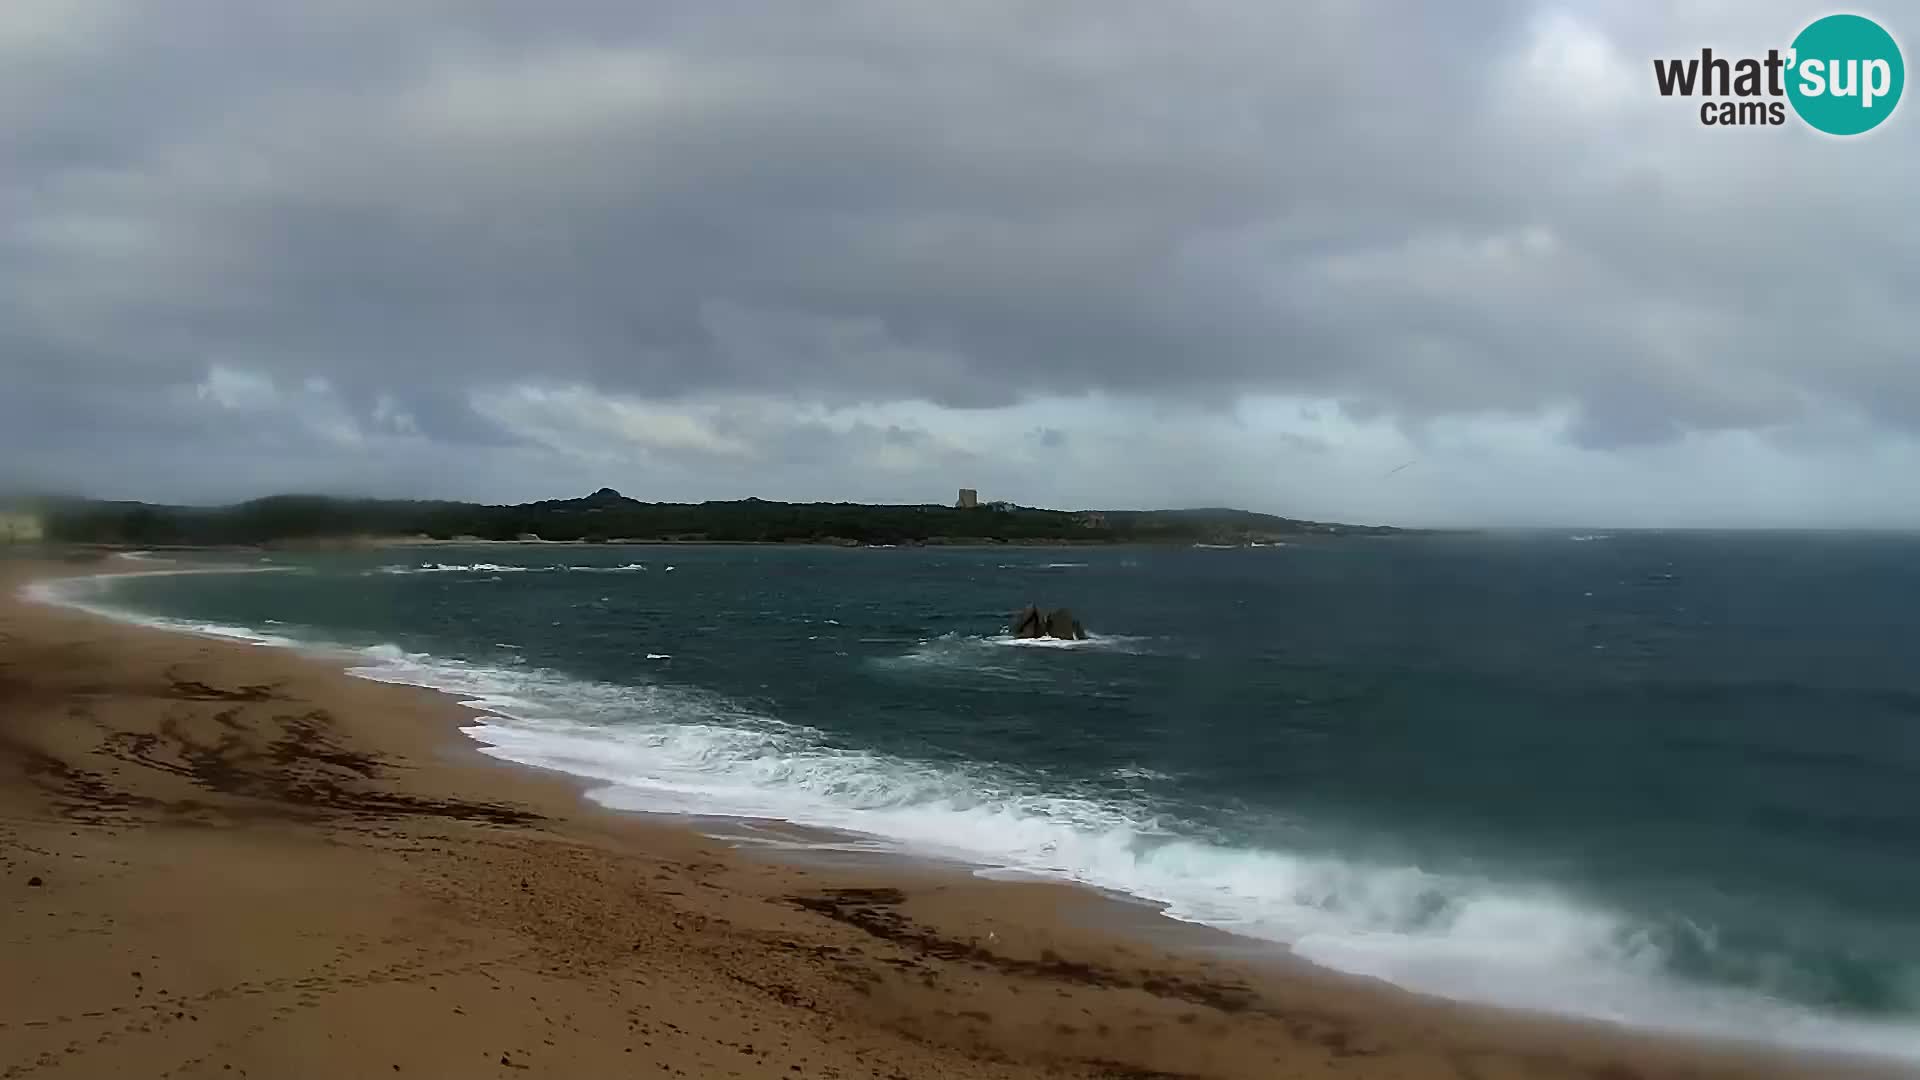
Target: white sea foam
x,y
90,594
459,568
500,568
1090,643
675,750
962,648
1520,946
1140,772
997,656
664,748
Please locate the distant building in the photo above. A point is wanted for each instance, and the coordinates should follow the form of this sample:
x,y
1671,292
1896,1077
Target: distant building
x,y
20,528
1001,505
969,499
1094,519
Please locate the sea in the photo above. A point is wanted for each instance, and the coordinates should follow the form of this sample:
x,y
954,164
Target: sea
x,y
1665,779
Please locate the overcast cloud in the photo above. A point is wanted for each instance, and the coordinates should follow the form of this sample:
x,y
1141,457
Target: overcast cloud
x,y
1100,253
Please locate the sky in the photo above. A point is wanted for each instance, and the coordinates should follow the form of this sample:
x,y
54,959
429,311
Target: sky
x,y
1073,253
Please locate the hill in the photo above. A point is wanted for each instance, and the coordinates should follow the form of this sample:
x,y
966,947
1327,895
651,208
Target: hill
x,y
607,515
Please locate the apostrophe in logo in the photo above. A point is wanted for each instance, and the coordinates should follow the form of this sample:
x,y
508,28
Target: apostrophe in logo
x,y
1842,75
1847,74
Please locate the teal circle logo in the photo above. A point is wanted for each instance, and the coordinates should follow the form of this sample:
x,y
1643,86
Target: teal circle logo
x,y
1845,74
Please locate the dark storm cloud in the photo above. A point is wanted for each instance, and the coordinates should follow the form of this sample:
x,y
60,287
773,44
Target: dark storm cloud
x,y
392,217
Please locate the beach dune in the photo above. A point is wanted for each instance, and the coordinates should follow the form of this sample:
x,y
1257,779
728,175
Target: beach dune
x,y
219,860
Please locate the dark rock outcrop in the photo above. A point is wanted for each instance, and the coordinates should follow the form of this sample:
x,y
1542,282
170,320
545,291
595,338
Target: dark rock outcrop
x,y
1061,624
1031,622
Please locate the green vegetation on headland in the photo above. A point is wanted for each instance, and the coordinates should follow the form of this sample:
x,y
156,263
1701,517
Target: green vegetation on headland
x,y
608,516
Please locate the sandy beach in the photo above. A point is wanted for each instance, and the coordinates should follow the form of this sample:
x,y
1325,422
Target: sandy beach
x,y
222,860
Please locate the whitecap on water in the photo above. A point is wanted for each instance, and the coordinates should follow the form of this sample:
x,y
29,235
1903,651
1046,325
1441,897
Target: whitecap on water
x,y
1117,643
1041,566
1140,772
460,568
988,655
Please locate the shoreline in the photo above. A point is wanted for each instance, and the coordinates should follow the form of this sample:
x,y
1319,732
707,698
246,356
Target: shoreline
x,y
970,543
1218,1011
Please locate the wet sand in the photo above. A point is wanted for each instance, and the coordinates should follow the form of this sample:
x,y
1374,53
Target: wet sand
x,y
222,860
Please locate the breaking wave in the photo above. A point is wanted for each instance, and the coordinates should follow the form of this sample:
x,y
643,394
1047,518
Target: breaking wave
x,y
669,749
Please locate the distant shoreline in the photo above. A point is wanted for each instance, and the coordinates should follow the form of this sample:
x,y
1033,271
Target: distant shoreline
x,y
606,516
386,543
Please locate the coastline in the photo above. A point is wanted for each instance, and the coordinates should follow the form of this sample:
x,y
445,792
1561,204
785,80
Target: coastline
x,y
968,543
162,785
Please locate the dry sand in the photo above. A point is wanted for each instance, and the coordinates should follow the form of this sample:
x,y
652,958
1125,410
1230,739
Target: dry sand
x,y
227,861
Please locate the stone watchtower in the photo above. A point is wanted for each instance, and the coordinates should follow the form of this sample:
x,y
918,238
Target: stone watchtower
x,y
969,499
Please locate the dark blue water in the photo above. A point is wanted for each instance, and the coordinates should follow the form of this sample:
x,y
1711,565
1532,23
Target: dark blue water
x,y
1672,779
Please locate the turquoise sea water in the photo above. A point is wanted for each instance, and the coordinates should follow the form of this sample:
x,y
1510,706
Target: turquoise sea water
x,y
1667,779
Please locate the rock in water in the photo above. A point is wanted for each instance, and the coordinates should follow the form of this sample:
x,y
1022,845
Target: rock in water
x,y
1029,623
1061,624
